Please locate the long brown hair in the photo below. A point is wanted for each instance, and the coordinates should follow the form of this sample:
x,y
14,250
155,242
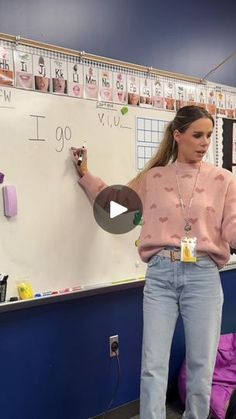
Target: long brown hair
x,y
168,150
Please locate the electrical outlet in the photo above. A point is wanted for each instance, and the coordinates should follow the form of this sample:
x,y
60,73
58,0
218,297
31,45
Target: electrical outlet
x,y
113,339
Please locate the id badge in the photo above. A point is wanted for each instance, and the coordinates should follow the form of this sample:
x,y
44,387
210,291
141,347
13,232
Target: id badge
x,y
188,249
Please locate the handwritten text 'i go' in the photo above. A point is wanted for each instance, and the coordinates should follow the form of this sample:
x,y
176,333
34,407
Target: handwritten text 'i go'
x,y
62,134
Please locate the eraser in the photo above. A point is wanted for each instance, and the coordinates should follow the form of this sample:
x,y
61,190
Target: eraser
x,y
14,299
9,200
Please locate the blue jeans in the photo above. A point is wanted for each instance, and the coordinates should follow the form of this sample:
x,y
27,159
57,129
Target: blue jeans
x,y
194,291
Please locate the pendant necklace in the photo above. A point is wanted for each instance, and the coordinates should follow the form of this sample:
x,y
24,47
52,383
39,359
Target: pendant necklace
x,y
187,227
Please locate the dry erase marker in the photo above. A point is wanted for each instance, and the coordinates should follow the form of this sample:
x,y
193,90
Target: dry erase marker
x,y
63,291
42,294
81,155
12,299
123,281
45,294
38,295
78,288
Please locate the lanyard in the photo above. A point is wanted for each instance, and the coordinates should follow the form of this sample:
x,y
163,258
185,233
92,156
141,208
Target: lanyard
x,y
187,226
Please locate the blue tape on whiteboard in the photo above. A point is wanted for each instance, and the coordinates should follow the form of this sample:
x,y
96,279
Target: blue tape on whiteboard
x,y
9,200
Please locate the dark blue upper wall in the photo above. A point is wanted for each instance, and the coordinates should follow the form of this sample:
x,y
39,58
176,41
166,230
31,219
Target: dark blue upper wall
x,y
180,36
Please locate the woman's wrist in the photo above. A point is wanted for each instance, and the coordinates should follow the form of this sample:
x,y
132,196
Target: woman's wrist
x,y
83,172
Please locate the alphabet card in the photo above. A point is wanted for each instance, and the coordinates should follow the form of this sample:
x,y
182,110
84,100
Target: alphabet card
x,y
211,100
75,79
23,70
42,73
201,96
59,76
158,94
230,101
169,93
191,95
6,67
119,88
105,85
234,147
181,95
90,82
145,92
133,89
220,101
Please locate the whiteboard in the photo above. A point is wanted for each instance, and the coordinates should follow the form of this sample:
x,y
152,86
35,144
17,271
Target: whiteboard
x,y
54,241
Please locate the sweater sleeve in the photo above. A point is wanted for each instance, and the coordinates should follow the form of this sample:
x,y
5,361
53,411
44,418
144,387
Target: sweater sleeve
x,y
229,215
93,185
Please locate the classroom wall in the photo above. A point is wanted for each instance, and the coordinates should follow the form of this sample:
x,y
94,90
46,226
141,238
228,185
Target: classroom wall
x,y
54,359
185,37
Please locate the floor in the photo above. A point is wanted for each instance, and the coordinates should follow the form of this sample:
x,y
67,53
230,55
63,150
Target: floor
x,y
173,411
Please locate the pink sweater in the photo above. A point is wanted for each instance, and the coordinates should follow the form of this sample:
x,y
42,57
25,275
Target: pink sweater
x,y
212,215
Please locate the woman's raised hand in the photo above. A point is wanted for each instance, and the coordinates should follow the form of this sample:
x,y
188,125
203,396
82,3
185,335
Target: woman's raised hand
x,y
80,159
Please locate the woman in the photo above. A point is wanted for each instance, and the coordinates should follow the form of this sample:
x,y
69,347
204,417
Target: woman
x,y
189,210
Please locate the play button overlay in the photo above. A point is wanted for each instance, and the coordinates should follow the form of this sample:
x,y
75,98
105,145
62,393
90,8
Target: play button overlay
x,y
117,208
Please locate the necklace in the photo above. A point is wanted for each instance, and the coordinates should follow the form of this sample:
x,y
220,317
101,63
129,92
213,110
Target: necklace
x,y
187,227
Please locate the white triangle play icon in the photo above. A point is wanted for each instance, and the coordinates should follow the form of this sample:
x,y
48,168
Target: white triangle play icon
x,y
116,209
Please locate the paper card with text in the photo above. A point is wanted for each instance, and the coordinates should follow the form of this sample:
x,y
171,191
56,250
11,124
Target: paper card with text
x,y
180,95
90,82
191,96
220,101
42,73
105,85
169,95
211,100
230,104
59,76
6,67
201,96
145,85
75,79
119,88
158,93
23,70
133,89
234,147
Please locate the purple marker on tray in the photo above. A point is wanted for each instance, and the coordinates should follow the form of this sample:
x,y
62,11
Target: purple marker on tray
x,y
1,177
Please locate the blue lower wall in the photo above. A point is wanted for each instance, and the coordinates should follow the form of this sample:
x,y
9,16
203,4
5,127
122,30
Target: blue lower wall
x,y
55,362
